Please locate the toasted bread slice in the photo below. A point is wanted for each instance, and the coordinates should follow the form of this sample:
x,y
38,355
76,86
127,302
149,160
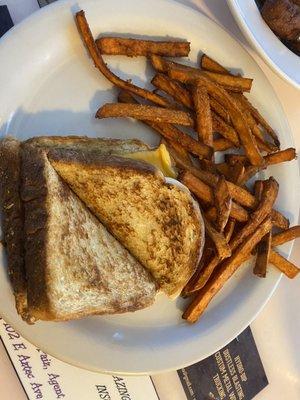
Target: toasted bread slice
x,y
12,219
157,222
75,268
101,145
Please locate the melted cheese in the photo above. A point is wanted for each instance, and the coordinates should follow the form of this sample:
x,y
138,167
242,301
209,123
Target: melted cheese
x,y
159,157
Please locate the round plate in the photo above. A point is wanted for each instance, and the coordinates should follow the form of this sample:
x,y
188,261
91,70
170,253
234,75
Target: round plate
x,y
49,86
281,59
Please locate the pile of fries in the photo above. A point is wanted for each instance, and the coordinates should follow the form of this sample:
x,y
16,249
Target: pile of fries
x,y
239,216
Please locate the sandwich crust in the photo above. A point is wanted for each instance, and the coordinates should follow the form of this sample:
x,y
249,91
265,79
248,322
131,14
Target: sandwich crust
x,y
12,219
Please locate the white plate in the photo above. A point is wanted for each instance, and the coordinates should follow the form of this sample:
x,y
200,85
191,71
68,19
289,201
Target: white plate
x,y
49,86
282,60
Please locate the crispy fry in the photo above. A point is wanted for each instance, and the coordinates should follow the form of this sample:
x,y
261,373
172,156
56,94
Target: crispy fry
x,y
218,239
173,88
205,193
225,130
209,64
260,119
203,114
237,174
220,110
161,64
270,159
286,236
227,269
258,189
222,144
140,47
263,254
93,50
224,169
279,220
229,229
230,82
236,115
281,156
285,266
183,96
268,197
208,253
145,113
250,171
170,132
223,202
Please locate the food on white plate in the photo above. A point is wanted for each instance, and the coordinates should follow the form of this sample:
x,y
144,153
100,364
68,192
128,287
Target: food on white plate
x,y
156,221
71,265
134,210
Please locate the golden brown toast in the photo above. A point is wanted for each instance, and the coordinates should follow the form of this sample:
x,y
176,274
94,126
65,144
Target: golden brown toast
x,y
157,222
75,267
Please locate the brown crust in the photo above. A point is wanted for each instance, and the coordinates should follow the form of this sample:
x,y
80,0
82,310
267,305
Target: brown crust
x,y
34,192
93,159
13,219
85,141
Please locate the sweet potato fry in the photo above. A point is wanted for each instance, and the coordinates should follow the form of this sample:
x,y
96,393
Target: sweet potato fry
x,y
224,169
140,47
173,88
230,82
203,114
268,197
223,202
225,130
170,132
226,270
286,236
218,239
161,64
260,119
281,156
222,144
229,229
258,189
209,64
205,193
285,266
181,95
249,172
208,254
93,50
237,174
236,115
220,110
145,113
263,254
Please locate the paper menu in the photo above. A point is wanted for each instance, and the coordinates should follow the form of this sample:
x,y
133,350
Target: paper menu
x,y
45,377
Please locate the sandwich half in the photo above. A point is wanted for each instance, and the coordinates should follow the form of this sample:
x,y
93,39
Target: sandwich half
x,y
74,266
159,223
